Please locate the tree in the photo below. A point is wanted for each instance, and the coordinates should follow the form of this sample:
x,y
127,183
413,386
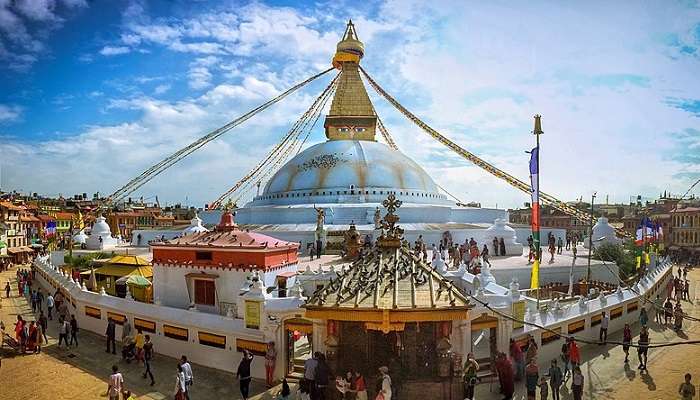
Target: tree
x,y
623,257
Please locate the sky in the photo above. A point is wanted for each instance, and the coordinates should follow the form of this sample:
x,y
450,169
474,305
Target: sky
x,y
94,92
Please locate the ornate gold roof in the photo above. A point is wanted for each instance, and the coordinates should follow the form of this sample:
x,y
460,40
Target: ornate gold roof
x,y
351,97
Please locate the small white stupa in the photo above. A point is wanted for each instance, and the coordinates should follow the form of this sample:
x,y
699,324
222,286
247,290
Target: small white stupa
x,y
603,232
100,236
80,238
499,230
195,226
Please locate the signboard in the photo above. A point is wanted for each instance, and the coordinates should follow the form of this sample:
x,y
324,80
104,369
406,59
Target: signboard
x,y
518,313
252,314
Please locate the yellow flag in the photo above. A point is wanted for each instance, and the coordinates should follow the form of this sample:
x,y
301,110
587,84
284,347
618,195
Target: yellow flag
x,y
639,262
647,259
535,275
81,222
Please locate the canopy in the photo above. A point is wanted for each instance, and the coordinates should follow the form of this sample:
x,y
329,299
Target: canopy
x,y
135,280
128,260
122,270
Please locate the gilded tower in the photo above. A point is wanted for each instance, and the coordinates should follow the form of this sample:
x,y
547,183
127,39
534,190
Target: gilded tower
x,y
352,115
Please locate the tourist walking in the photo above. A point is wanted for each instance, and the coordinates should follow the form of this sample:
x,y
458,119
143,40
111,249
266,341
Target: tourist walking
x,y
604,322
565,358
8,288
63,331
40,336
270,361
678,318
243,373
140,340
110,334
642,350
323,372
73,330
43,323
485,255
147,358
34,300
470,369
577,383
626,341
516,354
555,379
659,309
574,353
532,379
643,316
116,384
668,311
385,391
544,388
560,245
50,302
308,384
687,389
495,247
189,376
505,376
179,392
126,330
531,352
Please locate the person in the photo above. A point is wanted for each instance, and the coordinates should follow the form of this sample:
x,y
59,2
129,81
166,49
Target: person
x,y
604,322
505,376
502,246
544,386
642,350
20,332
179,392
485,255
568,241
531,353
126,329
73,330
344,385
668,310
110,335
140,340
471,367
565,357
687,389
32,337
286,392
128,395
49,305
516,353
360,386
659,308
323,373
551,244
643,316
555,379
577,383
63,331
116,383
40,337
7,289
386,383
309,382
686,290
495,247
532,379
43,323
243,373
560,245
189,377
626,341
270,361
678,318
34,300
574,353
148,357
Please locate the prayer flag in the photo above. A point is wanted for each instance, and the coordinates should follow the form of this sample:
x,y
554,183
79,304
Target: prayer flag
x,y
535,220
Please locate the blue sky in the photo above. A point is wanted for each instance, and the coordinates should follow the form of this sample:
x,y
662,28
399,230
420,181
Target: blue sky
x,y
92,93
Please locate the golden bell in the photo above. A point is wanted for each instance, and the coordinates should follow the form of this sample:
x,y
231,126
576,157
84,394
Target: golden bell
x,y
538,125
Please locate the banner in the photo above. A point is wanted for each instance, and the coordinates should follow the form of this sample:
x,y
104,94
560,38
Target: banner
x,y
535,220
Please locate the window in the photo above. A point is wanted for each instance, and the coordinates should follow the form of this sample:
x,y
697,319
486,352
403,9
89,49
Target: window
x,y
203,255
204,292
360,129
343,129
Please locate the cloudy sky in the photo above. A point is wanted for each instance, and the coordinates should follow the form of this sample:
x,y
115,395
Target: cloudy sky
x,y
94,92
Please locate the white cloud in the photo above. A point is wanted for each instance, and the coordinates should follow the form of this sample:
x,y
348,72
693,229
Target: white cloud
x,y
10,113
113,51
160,89
38,10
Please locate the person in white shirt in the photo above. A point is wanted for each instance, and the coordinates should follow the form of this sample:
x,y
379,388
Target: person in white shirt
x,y
180,388
49,304
604,321
386,382
63,331
189,378
116,383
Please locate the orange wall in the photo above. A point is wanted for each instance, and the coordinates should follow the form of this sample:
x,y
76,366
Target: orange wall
x,y
268,258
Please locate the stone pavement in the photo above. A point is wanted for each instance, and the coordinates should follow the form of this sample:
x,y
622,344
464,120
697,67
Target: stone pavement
x,y
81,372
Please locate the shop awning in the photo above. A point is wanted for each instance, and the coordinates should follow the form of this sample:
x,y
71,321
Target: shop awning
x,y
17,250
122,270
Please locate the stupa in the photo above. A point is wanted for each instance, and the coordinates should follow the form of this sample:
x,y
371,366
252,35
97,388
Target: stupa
x,y
351,173
195,226
100,236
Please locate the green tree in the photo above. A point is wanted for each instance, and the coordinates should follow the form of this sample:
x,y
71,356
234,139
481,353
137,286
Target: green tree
x,y
620,255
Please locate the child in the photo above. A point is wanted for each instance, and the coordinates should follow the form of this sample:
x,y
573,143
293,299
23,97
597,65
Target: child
x,y
285,393
544,387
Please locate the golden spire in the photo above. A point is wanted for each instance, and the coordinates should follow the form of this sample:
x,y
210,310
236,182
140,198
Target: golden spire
x,y
349,49
538,125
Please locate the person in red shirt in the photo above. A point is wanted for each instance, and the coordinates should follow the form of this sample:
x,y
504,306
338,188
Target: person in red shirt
x,y
516,353
360,386
574,354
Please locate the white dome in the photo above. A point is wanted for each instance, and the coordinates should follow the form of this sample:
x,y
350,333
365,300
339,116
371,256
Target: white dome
x,y
80,237
327,171
195,226
100,228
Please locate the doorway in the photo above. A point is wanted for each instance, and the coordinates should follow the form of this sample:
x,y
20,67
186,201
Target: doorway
x,y
299,344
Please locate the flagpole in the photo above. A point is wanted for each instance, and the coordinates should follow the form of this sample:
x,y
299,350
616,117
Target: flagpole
x,y
537,240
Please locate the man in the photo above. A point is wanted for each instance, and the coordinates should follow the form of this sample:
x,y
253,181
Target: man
x,y
34,300
39,300
126,329
140,340
43,323
604,322
659,308
642,350
116,383
63,330
555,379
7,289
147,357
470,369
49,305
111,335
73,330
310,366
687,389
189,377
386,383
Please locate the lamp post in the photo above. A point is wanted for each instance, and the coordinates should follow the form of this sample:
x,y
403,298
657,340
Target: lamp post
x,y
590,241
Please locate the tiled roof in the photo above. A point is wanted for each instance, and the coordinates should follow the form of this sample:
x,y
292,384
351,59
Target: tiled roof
x,y
10,206
230,238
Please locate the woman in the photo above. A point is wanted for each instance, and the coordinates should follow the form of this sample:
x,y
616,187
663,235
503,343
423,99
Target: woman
x,y
286,392
574,354
39,338
243,373
577,383
643,317
344,385
20,335
505,375
626,341
531,353
565,357
385,391
31,339
360,386
270,360
470,369
532,379
180,384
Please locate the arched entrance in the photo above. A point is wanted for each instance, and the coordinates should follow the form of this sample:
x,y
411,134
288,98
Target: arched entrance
x,y
298,344
484,341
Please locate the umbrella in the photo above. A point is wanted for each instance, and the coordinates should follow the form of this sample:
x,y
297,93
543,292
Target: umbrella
x,y
92,282
135,280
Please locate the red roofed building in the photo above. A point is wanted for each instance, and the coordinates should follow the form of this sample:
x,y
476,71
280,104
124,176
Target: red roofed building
x,y
210,269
